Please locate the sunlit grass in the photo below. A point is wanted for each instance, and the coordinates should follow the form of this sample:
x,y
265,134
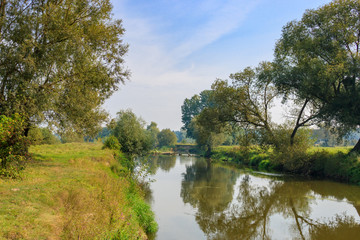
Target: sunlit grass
x,y
67,192
310,150
330,149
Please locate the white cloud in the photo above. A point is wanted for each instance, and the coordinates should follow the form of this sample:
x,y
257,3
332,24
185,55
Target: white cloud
x,y
158,86
224,21
151,59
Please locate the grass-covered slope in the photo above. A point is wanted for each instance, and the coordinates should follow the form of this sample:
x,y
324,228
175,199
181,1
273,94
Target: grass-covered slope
x,y
69,192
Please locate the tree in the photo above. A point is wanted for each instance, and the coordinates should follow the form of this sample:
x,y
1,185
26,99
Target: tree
x,y
206,137
167,138
49,137
244,103
317,58
35,136
192,107
39,136
180,135
131,134
153,131
59,61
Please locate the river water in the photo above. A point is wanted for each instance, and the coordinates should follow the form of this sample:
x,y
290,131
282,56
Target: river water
x,y
195,199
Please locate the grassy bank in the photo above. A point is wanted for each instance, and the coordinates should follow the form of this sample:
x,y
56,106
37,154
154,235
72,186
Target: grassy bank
x,y
69,191
331,163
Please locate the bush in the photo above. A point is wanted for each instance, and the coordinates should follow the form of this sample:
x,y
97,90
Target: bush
x,y
264,165
13,146
112,142
35,136
292,158
49,137
38,136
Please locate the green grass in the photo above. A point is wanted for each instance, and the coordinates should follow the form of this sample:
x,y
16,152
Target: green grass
x,y
330,149
68,192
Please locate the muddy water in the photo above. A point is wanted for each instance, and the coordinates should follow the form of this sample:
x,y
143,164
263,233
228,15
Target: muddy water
x,y
194,199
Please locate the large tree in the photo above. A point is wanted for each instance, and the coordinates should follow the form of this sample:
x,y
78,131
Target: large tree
x,y
244,102
317,58
167,138
59,61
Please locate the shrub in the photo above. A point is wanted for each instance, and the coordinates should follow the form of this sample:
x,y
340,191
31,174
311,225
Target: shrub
x,y
49,137
112,142
264,165
13,146
35,136
38,136
292,158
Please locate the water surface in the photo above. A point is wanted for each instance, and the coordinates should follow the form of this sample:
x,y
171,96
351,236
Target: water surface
x,y
194,199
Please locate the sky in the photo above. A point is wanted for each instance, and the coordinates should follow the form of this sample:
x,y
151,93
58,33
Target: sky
x,y
178,48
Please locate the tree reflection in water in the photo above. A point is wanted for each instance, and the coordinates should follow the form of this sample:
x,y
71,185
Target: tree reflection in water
x,y
154,162
248,215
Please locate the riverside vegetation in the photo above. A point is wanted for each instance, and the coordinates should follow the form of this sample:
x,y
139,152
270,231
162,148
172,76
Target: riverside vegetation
x,y
333,163
74,191
315,73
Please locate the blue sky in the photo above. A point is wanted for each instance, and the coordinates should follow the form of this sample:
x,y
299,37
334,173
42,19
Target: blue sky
x,y
179,47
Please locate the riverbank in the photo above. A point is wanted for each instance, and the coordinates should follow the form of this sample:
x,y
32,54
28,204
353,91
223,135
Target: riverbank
x,y
328,163
73,191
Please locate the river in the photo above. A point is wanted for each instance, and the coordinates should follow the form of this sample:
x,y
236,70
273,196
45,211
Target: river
x,y
195,199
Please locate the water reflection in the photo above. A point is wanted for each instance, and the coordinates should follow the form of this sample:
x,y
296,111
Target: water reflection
x,y
154,162
234,205
208,188
194,199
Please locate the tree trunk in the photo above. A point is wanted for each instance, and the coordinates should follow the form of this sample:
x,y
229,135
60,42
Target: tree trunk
x,y
292,137
208,151
356,148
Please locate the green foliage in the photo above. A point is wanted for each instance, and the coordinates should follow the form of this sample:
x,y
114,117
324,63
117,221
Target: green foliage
x,y
153,132
181,136
245,103
326,163
71,136
206,138
193,107
13,146
292,157
167,138
340,166
35,136
59,61
49,137
131,134
126,162
264,165
39,136
317,59
112,142
144,214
